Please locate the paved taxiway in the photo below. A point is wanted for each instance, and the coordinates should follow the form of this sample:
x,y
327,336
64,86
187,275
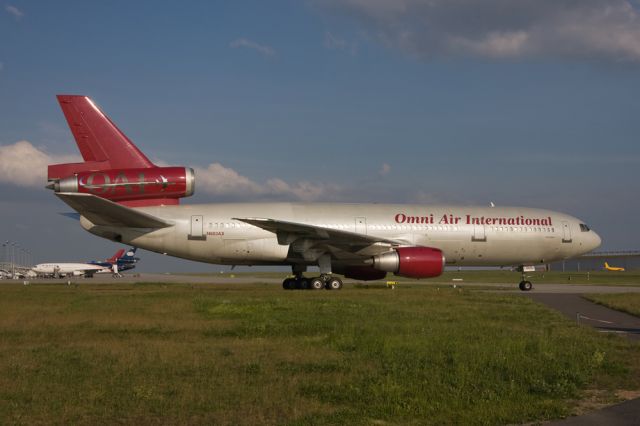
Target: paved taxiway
x,y
623,414
245,278
588,313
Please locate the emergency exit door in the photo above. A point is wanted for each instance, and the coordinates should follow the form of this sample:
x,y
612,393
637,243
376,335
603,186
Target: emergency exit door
x,y
566,232
361,225
478,233
196,232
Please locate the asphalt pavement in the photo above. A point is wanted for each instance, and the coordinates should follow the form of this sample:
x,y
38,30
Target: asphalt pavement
x,y
585,312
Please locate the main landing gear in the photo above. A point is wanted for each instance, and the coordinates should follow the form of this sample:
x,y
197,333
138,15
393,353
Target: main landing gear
x,y
328,282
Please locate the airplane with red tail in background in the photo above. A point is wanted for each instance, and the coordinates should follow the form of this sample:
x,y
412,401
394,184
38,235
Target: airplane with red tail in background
x,y
124,197
117,263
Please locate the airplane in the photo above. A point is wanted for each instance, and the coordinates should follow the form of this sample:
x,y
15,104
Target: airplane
x,y
613,268
86,269
58,270
122,196
119,262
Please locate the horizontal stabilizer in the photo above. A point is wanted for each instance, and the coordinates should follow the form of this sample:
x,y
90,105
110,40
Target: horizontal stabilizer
x,y
107,213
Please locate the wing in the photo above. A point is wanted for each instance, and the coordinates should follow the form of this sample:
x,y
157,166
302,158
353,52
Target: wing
x,y
314,240
107,213
92,270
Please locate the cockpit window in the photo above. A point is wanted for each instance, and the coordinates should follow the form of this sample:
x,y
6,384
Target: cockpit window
x,y
584,228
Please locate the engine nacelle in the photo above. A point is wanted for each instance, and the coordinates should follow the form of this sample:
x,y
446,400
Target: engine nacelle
x,y
412,262
364,273
131,184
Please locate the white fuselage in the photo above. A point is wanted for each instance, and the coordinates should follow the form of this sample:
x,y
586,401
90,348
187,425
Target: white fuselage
x,y
468,236
67,269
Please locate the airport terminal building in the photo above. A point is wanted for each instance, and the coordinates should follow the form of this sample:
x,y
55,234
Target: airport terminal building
x,y
629,260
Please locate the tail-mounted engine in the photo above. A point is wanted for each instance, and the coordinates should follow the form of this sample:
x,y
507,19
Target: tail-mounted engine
x,y
113,167
131,185
412,262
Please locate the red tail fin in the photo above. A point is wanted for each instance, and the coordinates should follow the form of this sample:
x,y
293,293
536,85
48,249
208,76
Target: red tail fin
x,y
116,256
101,143
114,168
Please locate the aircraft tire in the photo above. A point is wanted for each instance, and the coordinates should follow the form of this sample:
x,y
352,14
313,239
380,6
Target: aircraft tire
x,y
302,284
525,285
316,284
334,284
288,283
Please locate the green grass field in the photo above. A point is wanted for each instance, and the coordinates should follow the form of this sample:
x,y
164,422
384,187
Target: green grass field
x,y
255,354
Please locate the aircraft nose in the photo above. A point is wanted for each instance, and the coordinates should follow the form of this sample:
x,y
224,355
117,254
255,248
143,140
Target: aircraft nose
x,y
595,240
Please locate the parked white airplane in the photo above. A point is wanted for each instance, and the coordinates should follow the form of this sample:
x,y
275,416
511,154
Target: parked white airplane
x,y
87,269
68,269
123,197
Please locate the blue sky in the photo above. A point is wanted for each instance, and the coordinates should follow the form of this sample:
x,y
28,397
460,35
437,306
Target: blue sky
x,y
375,101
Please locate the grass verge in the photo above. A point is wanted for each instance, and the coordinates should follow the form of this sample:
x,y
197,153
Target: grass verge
x,y
254,354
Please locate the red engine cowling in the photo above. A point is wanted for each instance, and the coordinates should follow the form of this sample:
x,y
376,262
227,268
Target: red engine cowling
x,y
412,262
131,184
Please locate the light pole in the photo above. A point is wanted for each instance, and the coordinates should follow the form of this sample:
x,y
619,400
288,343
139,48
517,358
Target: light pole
x,y
13,259
17,259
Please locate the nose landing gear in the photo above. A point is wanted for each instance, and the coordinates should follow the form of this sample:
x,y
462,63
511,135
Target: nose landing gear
x,y
525,285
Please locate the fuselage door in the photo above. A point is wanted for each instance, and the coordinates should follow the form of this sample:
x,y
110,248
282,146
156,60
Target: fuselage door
x,y
566,232
478,233
197,228
361,225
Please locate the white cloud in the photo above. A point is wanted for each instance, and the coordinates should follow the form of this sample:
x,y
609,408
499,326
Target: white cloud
x,y
249,44
384,169
601,29
25,165
422,197
331,41
494,44
17,13
219,180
